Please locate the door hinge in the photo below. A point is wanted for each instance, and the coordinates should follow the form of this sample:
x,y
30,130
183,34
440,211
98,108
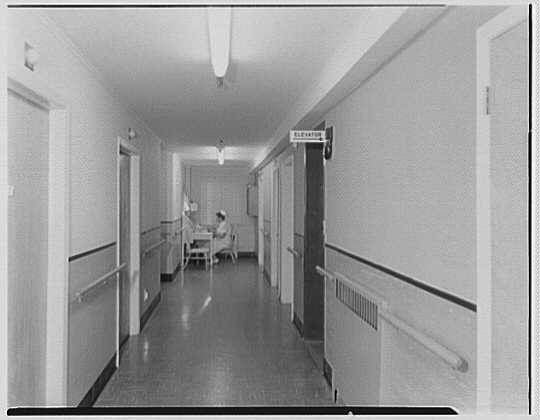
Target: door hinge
x,y
487,100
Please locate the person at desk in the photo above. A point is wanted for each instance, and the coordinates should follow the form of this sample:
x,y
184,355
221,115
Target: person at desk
x,y
222,235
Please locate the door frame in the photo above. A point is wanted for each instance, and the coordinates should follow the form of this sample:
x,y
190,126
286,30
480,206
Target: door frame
x,y
58,235
287,161
314,253
484,34
126,148
275,272
260,219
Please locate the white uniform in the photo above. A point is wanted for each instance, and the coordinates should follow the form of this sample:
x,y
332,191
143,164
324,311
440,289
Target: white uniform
x,y
223,237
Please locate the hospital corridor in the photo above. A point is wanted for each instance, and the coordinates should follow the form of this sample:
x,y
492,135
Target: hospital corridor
x,y
250,209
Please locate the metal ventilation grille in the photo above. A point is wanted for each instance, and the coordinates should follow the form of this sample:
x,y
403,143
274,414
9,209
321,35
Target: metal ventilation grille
x,y
365,308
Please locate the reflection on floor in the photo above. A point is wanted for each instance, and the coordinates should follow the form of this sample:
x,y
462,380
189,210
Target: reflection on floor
x,y
217,339
316,351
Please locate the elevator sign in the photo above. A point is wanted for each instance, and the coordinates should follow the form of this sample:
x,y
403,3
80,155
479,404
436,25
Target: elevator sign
x,y
307,136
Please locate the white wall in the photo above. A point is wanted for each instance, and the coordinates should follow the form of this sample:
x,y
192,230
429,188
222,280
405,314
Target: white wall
x,y
178,186
165,187
267,193
509,219
96,119
406,147
260,218
172,185
171,209
400,191
3,203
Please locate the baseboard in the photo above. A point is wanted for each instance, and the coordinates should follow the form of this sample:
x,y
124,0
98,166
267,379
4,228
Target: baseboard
x,y
314,348
122,343
241,254
149,310
298,324
99,385
167,277
247,254
327,372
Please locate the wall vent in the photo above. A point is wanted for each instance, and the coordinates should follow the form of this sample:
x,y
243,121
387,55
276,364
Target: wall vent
x,y
365,308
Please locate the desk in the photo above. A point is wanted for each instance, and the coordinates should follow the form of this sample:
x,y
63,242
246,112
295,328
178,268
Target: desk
x,y
207,254
205,237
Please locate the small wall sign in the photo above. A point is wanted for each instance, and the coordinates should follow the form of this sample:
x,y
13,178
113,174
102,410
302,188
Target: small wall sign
x,y
307,136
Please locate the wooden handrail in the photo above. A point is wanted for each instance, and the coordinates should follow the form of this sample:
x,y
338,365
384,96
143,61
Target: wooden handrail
x,y
453,359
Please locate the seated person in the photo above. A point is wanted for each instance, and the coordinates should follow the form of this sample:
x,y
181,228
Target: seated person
x,y
222,235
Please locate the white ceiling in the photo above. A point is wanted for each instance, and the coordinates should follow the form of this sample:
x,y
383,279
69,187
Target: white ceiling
x,y
158,61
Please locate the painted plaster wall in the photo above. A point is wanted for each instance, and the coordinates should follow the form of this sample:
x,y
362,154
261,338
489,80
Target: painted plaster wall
x,y
171,197
97,118
400,191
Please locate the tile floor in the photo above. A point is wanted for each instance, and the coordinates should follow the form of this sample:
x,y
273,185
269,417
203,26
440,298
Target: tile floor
x,y
217,338
316,351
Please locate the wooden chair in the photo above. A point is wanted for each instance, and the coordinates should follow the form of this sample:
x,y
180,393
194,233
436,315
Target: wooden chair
x,y
232,251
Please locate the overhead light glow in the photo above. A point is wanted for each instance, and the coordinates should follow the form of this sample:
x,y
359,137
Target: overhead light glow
x,y
221,157
221,152
219,31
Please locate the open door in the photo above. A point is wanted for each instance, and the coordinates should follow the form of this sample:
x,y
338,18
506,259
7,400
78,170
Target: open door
x,y
314,241
275,231
286,230
128,235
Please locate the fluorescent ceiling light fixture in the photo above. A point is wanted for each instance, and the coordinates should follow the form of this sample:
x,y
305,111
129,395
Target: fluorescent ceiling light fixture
x,y
219,31
221,152
221,156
